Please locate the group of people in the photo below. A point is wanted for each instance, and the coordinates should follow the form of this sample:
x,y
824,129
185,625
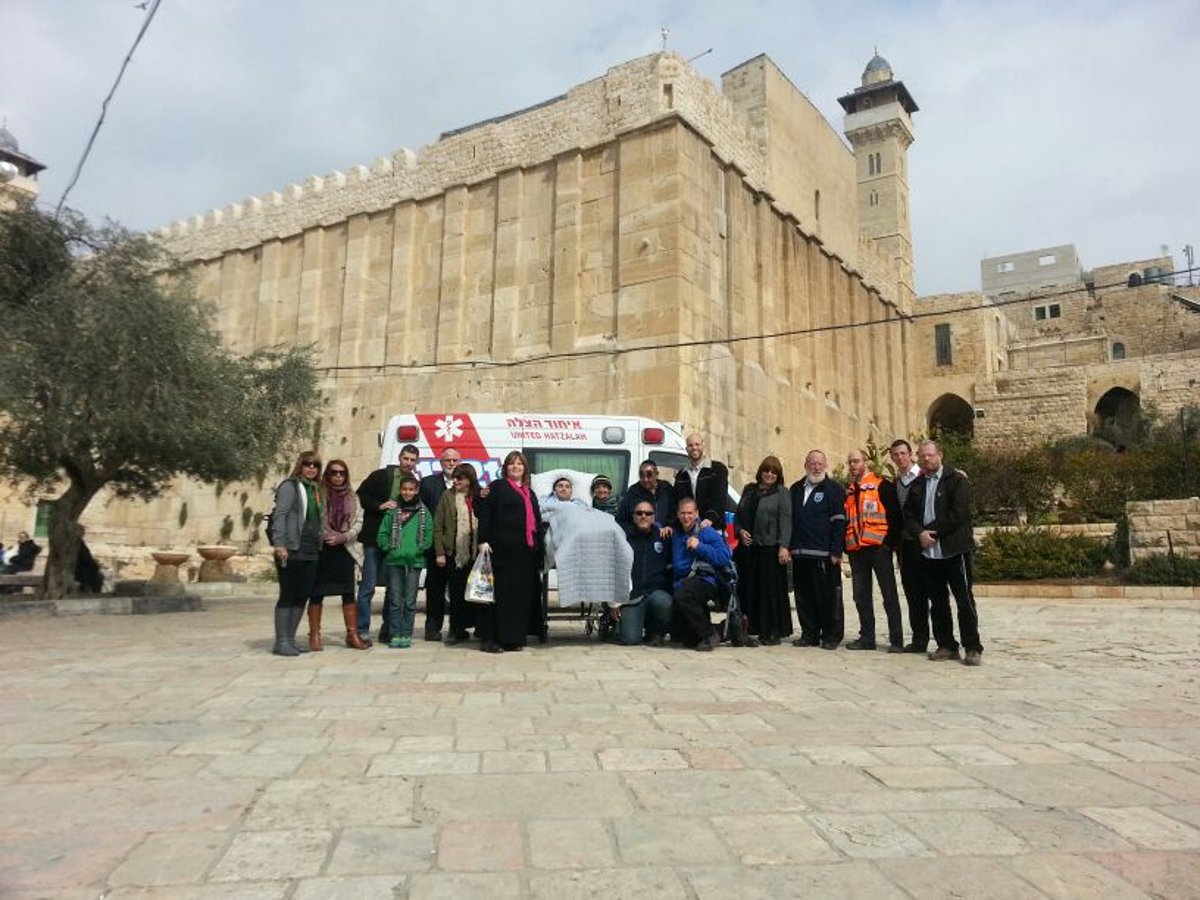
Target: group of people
x,y
395,526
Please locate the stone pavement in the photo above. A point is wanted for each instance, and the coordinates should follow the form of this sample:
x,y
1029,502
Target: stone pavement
x,y
172,756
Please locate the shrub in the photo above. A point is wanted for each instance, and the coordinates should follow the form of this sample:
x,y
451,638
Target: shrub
x,y
1163,568
1029,553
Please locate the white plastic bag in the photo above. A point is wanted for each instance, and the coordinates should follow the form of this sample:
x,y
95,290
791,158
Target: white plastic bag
x,y
480,584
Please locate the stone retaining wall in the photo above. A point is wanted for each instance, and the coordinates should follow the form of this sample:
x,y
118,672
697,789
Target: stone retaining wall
x,y
1156,526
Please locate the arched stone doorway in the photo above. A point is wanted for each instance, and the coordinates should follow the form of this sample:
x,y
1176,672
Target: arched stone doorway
x,y
951,412
1117,416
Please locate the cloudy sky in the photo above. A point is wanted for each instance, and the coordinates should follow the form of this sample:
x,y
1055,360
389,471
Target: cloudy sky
x,y
1041,122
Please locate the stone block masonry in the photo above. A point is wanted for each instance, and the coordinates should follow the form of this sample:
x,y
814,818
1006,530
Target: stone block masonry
x,y
1156,526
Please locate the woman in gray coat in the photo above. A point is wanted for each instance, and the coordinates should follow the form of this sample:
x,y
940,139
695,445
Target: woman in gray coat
x,y
764,528
296,536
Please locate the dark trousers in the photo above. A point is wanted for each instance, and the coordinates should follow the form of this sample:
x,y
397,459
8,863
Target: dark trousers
x,y
818,584
462,613
690,622
912,577
952,576
865,564
296,581
435,594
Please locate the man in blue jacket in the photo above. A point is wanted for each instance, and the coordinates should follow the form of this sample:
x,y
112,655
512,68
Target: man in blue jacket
x,y
696,550
818,539
651,581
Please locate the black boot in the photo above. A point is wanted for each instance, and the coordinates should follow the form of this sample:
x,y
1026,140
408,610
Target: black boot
x,y
283,646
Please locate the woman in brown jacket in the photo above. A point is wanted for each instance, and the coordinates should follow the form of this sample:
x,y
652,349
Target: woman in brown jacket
x,y
456,543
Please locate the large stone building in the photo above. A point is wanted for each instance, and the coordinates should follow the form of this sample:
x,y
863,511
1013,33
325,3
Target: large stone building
x,y
18,172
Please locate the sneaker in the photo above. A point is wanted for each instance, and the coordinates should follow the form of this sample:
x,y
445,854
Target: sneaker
x,y
942,654
405,641
973,658
396,643
916,648
708,644
658,640
860,644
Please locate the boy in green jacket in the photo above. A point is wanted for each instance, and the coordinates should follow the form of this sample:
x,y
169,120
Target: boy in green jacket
x,y
405,533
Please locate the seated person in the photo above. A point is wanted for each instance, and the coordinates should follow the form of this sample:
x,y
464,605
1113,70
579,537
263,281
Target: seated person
x,y
21,559
589,550
697,550
602,495
649,606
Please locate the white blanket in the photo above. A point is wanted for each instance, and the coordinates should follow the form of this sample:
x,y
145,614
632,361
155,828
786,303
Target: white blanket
x,y
590,551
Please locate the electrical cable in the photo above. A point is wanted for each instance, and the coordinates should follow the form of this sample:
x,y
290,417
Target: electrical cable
x,y
87,150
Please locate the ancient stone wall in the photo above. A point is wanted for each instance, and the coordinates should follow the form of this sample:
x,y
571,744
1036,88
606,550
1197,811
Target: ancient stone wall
x,y
1157,526
1017,409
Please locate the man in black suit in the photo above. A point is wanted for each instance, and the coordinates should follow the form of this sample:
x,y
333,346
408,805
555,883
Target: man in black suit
x,y
937,514
432,488
704,480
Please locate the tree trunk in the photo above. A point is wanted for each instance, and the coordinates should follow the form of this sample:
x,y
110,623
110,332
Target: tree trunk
x,y
64,535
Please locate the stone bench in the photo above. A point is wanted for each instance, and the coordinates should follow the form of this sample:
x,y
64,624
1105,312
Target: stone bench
x,y
17,583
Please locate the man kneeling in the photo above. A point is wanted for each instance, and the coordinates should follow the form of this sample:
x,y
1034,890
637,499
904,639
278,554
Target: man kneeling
x,y
697,550
649,608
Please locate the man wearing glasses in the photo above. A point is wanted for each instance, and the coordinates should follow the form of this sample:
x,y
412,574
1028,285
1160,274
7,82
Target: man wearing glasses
x,y
378,493
647,490
649,609
432,488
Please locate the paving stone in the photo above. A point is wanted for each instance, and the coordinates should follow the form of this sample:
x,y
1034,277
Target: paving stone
x,y
276,890
644,883
1069,786
668,840
481,847
368,887
383,851
513,761
868,836
267,855
572,760
640,760
331,803
689,791
569,844
567,795
954,878
961,833
423,764
1067,877
177,857
463,886
1159,873
855,880
1060,830
1146,827
773,839
922,777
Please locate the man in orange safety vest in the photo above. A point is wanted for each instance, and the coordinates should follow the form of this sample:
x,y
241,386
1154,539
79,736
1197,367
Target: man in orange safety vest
x,y
869,547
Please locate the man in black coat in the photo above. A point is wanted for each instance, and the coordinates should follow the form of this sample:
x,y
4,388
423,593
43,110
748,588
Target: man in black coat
x,y
378,493
937,514
704,480
432,488
652,491
23,557
817,543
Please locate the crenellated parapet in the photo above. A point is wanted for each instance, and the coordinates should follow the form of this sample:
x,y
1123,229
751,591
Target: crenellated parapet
x,y
626,98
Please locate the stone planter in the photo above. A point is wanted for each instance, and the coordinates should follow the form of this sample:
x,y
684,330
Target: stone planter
x,y
216,565
167,563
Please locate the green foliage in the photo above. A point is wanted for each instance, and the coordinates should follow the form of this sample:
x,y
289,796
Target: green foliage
x,y
114,375
1030,553
1164,568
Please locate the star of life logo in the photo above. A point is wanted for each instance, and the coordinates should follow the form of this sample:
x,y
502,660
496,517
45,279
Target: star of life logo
x,y
448,428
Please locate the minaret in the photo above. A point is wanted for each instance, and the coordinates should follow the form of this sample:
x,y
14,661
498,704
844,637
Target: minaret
x,y
18,172
879,127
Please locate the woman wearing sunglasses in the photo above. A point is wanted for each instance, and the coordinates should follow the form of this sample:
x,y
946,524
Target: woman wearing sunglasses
x,y
339,556
296,536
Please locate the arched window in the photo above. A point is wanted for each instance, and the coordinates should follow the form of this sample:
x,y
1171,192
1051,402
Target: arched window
x,y
1118,350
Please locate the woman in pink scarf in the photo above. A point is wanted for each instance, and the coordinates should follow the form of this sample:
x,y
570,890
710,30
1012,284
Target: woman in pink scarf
x,y
508,528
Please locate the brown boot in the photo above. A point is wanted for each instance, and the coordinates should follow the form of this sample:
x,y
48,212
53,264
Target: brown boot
x,y
350,615
314,627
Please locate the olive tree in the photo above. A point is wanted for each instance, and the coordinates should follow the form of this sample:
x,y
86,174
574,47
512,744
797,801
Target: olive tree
x,y
112,375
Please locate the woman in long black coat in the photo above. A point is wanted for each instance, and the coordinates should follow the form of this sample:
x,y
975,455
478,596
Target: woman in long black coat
x,y
764,526
508,528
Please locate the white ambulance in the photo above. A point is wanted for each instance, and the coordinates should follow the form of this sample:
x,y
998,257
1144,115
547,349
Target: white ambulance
x,y
601,445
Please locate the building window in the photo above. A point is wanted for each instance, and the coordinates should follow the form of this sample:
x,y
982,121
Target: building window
x,y
941,343
1004,267
1047,311
874,200
874,163
817,205
1047,260
1118,350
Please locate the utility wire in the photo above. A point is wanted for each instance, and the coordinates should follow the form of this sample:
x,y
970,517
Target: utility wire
x,y
104,106
466,365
